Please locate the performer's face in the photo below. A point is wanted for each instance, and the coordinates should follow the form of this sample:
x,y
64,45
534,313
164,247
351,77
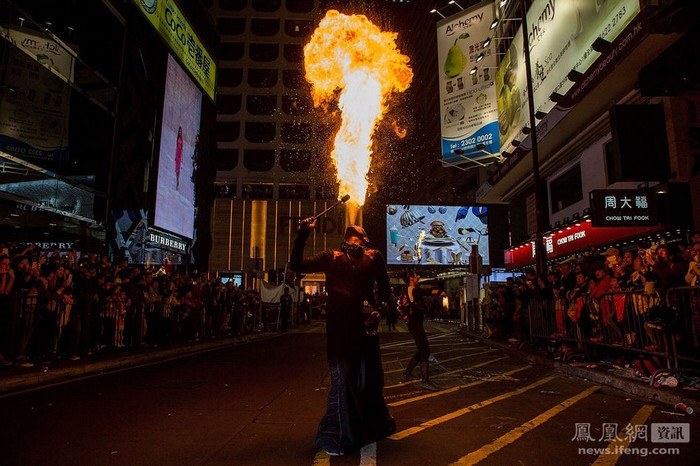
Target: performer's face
x,y
355,241
355,247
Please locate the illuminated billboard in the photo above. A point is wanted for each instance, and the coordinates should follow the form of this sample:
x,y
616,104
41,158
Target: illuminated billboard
x,y
468,110
182,104
435,235
176,31
561,41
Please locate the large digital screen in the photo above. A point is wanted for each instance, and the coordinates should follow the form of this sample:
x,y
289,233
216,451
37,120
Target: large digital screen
x,y
174,209
435,235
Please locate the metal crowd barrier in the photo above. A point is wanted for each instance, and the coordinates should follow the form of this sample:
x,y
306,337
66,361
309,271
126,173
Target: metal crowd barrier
x,y
21,323
626,320
62,326
687,300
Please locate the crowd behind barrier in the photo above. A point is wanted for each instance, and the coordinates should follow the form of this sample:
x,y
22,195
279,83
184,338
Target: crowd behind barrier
x,y
643,302
55,304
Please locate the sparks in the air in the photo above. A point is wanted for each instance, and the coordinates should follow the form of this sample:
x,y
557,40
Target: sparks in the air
x,y
350,58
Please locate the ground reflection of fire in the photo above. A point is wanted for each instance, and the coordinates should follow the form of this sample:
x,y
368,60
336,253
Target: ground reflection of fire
x,y
351,58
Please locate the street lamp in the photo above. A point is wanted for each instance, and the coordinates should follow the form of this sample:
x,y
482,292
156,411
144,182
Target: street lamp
x,y
540,253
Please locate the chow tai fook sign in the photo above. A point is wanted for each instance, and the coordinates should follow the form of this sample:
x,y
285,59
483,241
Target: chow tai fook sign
x,y
623,207
163,241
572,239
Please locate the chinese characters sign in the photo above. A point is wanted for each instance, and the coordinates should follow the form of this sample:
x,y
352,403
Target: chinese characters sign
x,y
468,113
623,207
173,27
34,111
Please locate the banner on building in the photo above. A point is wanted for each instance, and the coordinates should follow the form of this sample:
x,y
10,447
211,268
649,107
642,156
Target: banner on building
x,y
177,32
468,111
561,36
35,106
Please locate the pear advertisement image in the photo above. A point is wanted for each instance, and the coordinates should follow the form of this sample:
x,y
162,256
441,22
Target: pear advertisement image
x,y
456,61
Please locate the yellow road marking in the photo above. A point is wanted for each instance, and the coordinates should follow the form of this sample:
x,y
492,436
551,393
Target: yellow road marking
x,y
394,371
510,437
618,445
452,389
452,349
446,373
460,412
393,353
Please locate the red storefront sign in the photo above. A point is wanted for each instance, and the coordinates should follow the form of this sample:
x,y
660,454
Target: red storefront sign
x,y
572,239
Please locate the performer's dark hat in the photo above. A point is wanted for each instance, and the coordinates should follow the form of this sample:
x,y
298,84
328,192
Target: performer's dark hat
x,y
357,231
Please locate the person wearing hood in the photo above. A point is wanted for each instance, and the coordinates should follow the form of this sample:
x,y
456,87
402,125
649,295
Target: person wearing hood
x,y
356,413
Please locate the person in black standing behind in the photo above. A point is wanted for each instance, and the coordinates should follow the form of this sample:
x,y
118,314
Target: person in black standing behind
x,y
415,295
391,313
356,413
286,302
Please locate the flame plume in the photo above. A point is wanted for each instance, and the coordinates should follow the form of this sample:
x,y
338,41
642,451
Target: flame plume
x,y
350,56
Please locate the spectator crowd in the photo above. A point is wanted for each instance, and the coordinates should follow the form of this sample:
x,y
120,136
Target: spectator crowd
x,y
587,288
58,304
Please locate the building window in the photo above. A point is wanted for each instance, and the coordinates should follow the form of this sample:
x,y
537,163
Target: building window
x,y
294,191
260,132
298,28
231,51
257,191
294,79
265,27
261,104
267,6
297,105
294,53
227,131
230,77
567,189
226,159
231,26
264,52
259,160
295,160
262,78
232,5
226,190
300,6
296,133
327,191
228,104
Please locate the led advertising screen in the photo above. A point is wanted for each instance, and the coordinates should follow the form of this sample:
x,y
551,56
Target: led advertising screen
x,y
174,209
435,235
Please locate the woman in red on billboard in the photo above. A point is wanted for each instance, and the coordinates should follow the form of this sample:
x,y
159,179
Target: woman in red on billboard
x,y
178,158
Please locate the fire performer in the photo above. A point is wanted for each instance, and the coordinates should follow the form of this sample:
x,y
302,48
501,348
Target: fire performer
x,y
356,413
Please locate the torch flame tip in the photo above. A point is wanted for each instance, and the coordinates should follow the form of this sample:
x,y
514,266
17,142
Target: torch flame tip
x,y
345,198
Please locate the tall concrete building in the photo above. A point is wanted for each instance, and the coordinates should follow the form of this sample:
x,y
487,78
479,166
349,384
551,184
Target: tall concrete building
x,y
273,146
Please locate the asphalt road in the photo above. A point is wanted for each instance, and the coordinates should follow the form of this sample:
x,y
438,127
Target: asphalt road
x,y
259,404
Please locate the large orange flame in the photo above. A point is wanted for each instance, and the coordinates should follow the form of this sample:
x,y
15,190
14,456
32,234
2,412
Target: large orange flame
x,y
350,55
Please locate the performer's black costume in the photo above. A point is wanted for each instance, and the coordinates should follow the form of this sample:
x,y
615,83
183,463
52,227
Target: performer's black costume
x,y
356,412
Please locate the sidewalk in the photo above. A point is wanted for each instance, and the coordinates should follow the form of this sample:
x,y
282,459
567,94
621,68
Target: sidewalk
x,y
15,378
601,373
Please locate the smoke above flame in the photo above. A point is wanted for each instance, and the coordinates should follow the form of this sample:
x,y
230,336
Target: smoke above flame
x,y
350,59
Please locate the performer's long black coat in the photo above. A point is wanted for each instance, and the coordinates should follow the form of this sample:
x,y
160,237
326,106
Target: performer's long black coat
x,y
348,282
